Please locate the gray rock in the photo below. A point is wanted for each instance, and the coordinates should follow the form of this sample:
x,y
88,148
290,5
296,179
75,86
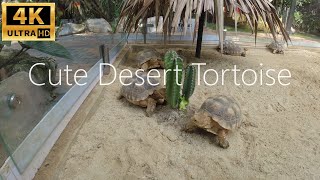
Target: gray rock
x,y
98,25
24,62
70,28
30,105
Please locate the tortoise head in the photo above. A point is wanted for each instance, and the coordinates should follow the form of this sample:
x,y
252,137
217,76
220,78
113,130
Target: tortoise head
x,y
160,94
281,51
202,120
244,52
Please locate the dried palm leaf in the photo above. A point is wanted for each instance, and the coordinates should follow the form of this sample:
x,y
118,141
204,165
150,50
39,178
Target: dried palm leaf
x,y
183,10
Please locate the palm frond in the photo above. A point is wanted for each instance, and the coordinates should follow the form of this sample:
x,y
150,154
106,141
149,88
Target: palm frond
x,y
135,10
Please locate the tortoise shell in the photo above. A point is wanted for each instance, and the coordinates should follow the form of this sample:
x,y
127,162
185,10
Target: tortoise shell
x,y
224,110
231,48
139,88
276,47
147,55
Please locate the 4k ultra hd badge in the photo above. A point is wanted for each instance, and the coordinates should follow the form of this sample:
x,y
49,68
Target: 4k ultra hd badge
x,y
28,21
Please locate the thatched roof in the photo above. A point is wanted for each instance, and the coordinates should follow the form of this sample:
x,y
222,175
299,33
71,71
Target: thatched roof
x,y
254,10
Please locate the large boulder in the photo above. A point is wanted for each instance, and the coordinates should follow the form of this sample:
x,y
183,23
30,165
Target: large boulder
x,y
70,28
98,26
24,62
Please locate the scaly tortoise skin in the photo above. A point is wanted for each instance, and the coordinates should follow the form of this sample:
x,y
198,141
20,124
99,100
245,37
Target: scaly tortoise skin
x,y
276,47
217,115
233,49
149,59
143,93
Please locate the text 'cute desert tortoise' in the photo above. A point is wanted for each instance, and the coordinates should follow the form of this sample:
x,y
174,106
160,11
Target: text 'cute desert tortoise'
x,y
143,93
233,49
149,59
217,115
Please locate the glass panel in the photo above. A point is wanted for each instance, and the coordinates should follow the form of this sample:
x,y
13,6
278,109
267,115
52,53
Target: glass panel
x,y
29,114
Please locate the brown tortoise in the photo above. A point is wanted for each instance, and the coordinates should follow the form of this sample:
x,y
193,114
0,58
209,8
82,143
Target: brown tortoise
x,y
217,115
142,93
276,47
149,59
233,49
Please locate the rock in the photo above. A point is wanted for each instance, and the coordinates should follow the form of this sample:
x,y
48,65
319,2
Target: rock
x,y
32,103
98,25
70,28
3,74
24,62
65,21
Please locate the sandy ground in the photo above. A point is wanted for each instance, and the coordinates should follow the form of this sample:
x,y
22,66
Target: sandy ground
x,y
278,139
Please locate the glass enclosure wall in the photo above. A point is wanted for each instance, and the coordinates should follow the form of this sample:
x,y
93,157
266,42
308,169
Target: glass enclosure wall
x,y
29,113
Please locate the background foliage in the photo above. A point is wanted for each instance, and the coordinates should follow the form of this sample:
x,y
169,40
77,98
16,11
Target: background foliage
x,y
306,16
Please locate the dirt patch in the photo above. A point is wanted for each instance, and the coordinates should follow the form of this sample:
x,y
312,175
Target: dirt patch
x,y
279,137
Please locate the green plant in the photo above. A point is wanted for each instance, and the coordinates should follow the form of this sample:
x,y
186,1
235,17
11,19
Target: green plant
x,y
189,85
173,77
48,47
174,73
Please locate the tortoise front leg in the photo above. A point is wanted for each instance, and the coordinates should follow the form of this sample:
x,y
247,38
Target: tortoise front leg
x,y
145,66
190,127
221,139
159,95
120,96
151,106
161,62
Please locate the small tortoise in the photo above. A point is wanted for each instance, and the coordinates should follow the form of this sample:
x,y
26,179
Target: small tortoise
x,y
233,49
217,115
276,47
143,93
149,59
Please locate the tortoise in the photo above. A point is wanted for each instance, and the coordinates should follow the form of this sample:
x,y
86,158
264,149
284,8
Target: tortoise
x,y
149,59
142,92
217,115
233,49
276,47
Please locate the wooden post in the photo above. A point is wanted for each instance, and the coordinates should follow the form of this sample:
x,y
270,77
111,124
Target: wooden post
x,y
165,32
200,34
144,30
102,53
235,20
105,59
220,19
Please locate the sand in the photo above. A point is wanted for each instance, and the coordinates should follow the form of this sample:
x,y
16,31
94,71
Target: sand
x,y
278,139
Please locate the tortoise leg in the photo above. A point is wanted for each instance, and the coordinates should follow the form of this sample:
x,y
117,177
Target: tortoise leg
x,y
160,95
161,62
221,139
190,127
145,66
151,106
119,97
